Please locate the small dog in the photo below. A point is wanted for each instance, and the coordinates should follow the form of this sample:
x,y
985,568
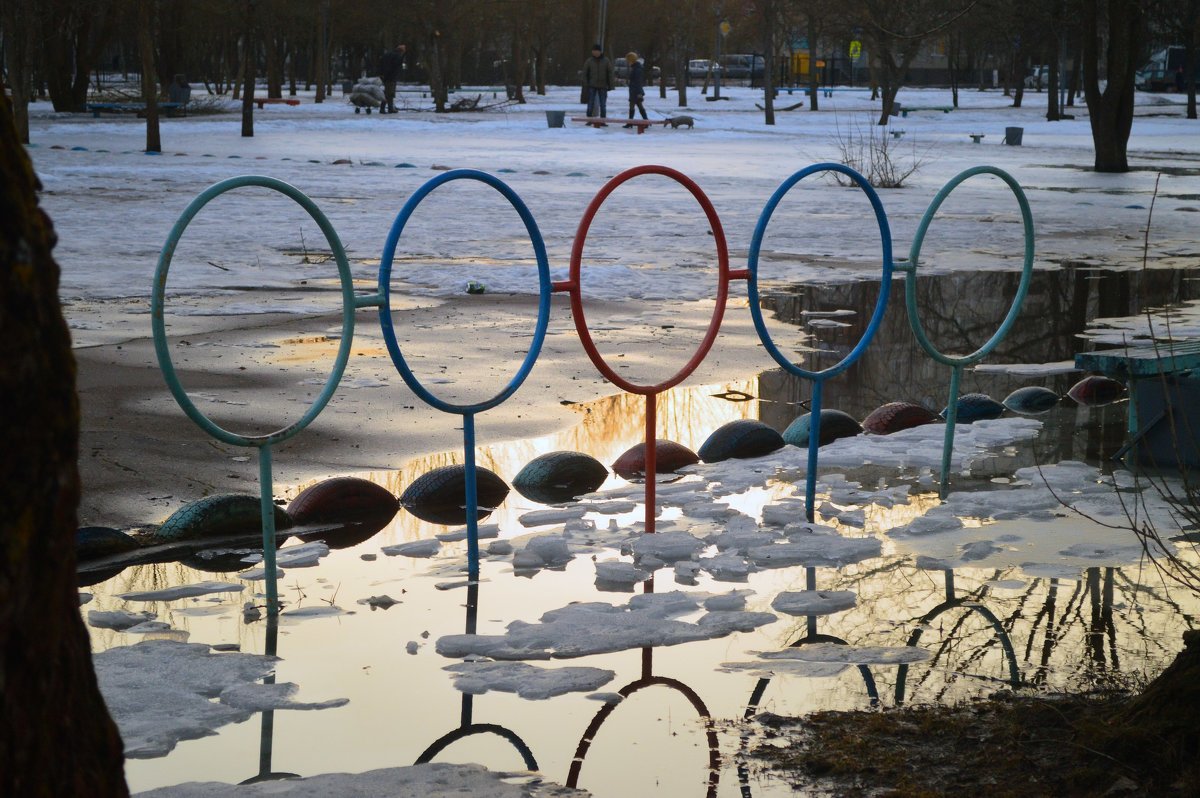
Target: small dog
x,y
676,121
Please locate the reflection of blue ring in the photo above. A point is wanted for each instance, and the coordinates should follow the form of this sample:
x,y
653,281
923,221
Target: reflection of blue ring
x,y
760,230
385,273
910,284
443,742
1014,670
158,322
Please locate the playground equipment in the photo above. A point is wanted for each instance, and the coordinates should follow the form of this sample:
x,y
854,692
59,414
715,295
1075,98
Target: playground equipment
x,y
382,300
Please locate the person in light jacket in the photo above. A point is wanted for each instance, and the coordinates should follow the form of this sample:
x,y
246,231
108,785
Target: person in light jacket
x,y
599,79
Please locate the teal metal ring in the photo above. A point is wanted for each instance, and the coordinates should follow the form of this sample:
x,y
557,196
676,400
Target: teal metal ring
x,y
157,301
910,283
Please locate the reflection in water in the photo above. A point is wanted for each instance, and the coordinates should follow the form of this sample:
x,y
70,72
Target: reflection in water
x,y
267,736
1102,626
467,726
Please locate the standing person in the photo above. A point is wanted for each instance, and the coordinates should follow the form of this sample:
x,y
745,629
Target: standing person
x,y
390,67
637,85
598,79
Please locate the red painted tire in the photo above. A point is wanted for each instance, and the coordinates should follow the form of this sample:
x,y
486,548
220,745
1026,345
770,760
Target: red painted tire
x,y
669,457
342,499
895,416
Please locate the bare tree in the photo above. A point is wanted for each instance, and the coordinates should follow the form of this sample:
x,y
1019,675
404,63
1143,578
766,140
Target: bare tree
x,y
1112,41
145,28
896,32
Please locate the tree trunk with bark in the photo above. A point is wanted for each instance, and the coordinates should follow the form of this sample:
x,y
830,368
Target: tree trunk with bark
x,y
1117,26
56,738
149,74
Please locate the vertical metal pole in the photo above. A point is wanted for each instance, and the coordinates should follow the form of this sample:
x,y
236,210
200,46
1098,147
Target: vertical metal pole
x,y
814,442
951,419
266,503
472,497
716,67
651,458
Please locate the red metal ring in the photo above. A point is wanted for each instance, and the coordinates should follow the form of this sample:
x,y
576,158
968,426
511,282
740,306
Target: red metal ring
x,y
573,286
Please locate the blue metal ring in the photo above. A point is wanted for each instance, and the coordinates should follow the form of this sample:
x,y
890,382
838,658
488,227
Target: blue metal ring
x,y
385,273
885,281
158,324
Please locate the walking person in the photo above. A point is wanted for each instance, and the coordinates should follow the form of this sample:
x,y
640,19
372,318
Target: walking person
x,y
598,78
390,67
637,85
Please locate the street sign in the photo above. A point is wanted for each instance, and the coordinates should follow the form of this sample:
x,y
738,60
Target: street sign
x,y
855,50
725,27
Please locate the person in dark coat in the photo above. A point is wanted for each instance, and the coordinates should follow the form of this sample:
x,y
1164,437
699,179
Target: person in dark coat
x,y
637,85
599,79
390,67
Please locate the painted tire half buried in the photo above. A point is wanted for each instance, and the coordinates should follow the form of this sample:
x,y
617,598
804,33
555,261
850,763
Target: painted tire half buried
x,y
740,439
1031,400
92,542
342,499
1094,391
225,514
976,407
895,416
440,496
559,476
834,424
669,457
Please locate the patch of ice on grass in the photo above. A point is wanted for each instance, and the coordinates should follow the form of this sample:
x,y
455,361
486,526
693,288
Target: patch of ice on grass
x,y
527,681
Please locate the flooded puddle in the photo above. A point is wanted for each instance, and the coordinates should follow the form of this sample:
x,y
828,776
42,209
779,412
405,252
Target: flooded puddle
x,y
998,585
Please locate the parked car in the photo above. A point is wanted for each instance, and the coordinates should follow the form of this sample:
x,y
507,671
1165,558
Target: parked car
x,y
697,68
742,67
1164,71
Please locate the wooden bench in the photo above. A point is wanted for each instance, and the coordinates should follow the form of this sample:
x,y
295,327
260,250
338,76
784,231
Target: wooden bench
x,y
130,108
261,101
945,109
601,121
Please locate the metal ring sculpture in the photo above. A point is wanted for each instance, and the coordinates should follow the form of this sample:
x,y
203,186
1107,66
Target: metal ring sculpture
x,y
910,296
818,377
573,287
467,411
262,442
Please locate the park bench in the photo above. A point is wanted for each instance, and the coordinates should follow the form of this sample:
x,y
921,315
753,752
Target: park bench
x,y
600,121
261,101
976,137
170,109
1164,399
945,109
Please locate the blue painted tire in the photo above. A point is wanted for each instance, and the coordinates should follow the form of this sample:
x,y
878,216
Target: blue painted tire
x,y
740,439
976,407
439,496
835,424
223,515
93,542
669,457
1031,400
557,477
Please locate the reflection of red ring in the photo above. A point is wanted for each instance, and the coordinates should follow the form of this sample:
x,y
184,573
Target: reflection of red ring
x,y
714,755
573,286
